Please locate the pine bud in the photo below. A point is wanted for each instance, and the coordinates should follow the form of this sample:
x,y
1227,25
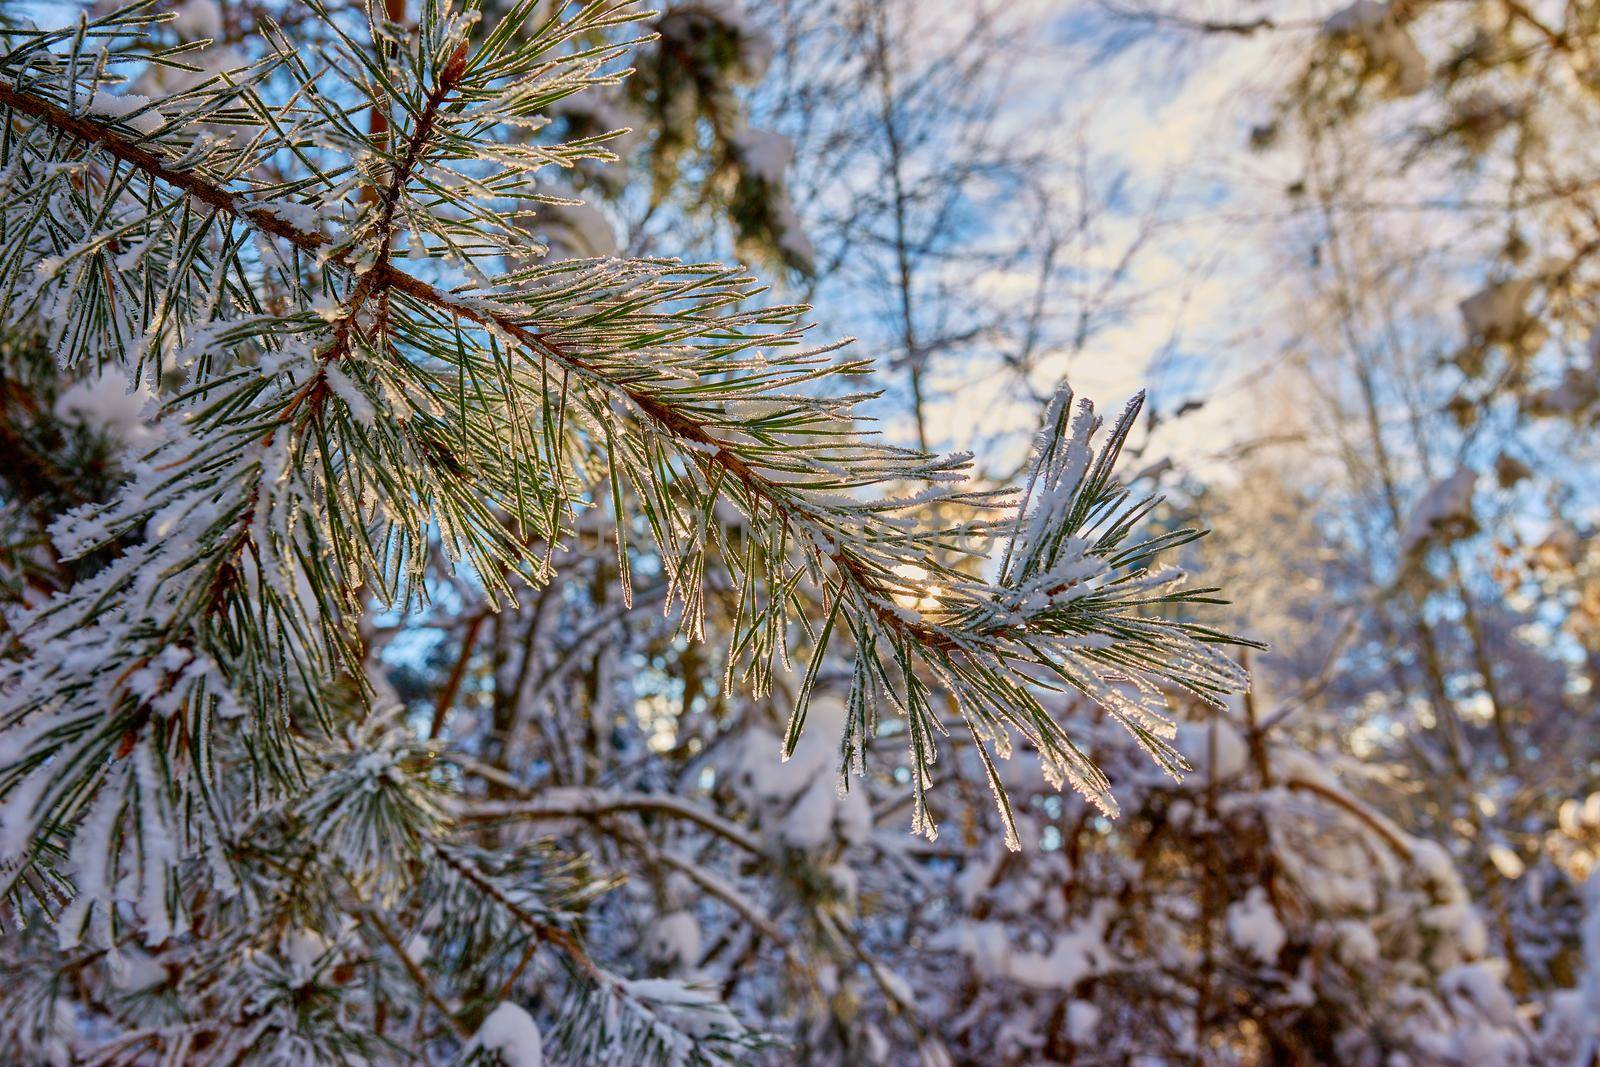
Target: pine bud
x,y
455,67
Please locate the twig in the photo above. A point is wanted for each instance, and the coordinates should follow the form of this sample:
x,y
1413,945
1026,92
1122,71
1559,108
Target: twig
x,y
452,685
419,978
590,804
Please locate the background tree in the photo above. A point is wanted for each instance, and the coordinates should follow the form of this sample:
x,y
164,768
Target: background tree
x,y
1428,438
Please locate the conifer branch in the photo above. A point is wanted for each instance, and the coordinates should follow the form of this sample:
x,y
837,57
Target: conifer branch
x,y
711,452
337,418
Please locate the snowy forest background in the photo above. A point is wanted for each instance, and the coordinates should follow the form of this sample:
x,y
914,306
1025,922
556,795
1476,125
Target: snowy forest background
x,y
542,813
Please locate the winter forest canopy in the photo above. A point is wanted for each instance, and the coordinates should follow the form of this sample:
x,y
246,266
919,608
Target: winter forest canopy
x,y
467,599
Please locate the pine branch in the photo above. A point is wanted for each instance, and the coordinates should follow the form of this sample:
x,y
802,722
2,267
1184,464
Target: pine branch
x,y
672,420
339,413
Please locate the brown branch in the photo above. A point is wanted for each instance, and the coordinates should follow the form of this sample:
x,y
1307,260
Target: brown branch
x,y
418,977
1390,836
120,148
729,896
595,804
544,931
1556,39
1245,27
452,685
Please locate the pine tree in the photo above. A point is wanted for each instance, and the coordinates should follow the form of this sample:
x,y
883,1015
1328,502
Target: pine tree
x,y
267,363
